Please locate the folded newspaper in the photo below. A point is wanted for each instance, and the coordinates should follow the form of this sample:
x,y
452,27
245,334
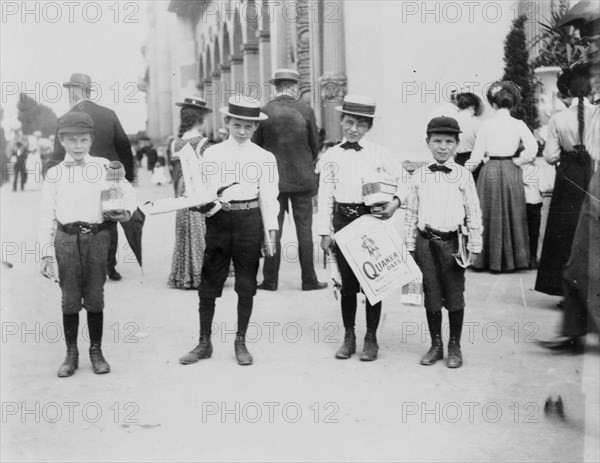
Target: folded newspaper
x,y
463,255
196,188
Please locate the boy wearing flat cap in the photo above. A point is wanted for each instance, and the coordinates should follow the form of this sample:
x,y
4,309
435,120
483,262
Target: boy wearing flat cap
x,y
341,201
245,178
442,197
74,234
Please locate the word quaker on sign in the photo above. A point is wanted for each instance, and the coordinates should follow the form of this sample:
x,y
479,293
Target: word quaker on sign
x,y
377,255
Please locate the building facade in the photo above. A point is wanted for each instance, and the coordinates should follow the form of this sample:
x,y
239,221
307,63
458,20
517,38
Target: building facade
x,y
408,55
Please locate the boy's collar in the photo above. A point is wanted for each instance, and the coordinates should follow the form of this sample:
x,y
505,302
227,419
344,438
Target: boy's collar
x,y
450,163
69,160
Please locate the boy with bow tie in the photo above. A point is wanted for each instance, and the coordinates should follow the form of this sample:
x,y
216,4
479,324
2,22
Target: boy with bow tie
x,y
442,196
74,233
343,168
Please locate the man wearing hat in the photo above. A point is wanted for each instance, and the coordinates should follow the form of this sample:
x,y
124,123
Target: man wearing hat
x,y
244,177
74,234
341,202
110,142
442,197
291,134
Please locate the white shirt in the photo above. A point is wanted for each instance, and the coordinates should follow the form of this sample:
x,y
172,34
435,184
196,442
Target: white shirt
x,y
443,201
500,136
71,193
342,172
563,131
469,126
254,168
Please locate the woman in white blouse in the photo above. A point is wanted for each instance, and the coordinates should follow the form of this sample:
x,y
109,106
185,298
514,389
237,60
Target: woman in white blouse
x,y
500,185
565,148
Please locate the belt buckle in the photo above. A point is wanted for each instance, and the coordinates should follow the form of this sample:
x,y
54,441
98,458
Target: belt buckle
x,y
85,230
225,206
351,211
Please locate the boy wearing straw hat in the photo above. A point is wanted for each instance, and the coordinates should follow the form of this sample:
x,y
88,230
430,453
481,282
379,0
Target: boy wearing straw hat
x,y
245,178
74,234
341,202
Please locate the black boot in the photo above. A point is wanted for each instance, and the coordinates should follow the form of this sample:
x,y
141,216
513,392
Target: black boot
x,y
435,352
202,351
348,347
454,353
241,353
370,348
99,364
71,362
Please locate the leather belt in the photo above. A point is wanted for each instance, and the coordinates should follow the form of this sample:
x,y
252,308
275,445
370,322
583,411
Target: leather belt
x,y
84,228
240,205
501,158
351,210
432,234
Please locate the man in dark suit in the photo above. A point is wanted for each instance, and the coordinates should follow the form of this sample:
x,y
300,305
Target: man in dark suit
x,y
291,134
110,142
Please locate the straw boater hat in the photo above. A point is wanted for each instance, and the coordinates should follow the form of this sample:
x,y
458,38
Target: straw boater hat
x,y
358,105
285,74
194,102
79,80
244,107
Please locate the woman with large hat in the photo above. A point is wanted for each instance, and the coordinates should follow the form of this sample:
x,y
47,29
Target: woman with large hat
x,y
190,228
500,185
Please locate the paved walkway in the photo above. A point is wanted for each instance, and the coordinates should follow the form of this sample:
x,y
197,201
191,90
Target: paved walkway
x,y
297,402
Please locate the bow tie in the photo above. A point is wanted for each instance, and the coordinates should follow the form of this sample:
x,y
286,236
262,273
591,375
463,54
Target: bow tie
x,y
351,146
438,168
75,163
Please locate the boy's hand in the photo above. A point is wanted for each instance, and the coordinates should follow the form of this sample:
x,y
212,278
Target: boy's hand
x,y
117,216
326,243
385,211
270,246
47,268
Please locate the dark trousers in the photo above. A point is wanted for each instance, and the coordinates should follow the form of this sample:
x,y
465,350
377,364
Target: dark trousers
x,y
111,260
350,284
443,278
20,169
303,212
81,263
231,236
534,219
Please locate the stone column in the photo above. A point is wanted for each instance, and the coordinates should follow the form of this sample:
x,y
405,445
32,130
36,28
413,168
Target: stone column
x,y
279,31
333,82
237,73
264,64
252,85
207,89
227,88
316,64
216,101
